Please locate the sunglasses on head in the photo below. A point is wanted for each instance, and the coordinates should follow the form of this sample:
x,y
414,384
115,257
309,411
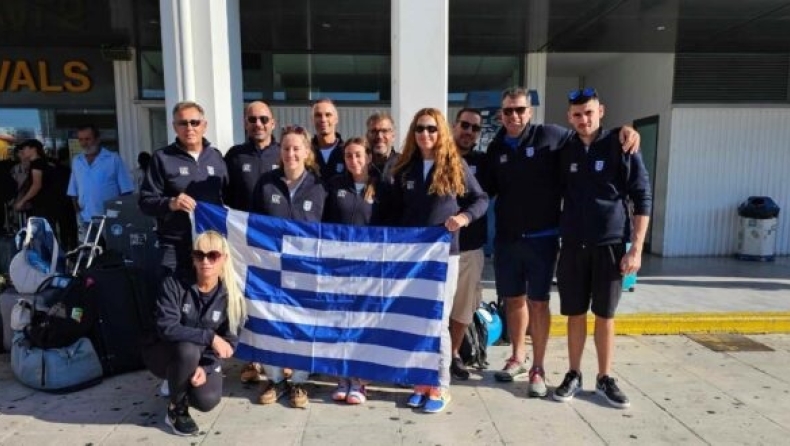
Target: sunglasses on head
x,y
189,122
467,125
430,128
253,119
297,129
582,94
514,110
212,256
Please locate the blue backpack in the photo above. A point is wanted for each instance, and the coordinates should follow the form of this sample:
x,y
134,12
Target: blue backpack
x,y
485,330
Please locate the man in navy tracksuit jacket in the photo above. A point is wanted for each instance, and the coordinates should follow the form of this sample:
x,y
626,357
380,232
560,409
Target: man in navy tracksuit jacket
x,y
523,176
327,143
187,170
249,161
468,295
600,186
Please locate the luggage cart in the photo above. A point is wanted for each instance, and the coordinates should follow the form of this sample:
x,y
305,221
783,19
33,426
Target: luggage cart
x,y
82,257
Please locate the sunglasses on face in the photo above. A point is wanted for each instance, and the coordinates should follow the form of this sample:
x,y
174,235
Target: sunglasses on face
x,y
379,131
467,125
582,94
507,111
212,256
430,128
253,119
189,123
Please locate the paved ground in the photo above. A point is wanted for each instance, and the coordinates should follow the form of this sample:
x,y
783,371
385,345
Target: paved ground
x,y
681,392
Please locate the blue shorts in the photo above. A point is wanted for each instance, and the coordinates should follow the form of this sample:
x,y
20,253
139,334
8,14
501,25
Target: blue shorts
x,y
525,266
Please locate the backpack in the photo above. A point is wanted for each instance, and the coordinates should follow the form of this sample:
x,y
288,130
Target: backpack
x,y
485,330
71,312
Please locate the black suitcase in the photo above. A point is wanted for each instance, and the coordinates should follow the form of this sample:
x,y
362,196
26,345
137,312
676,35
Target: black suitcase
x,y
7,252
126,313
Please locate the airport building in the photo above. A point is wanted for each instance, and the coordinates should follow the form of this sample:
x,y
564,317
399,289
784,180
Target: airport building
x,y
706,82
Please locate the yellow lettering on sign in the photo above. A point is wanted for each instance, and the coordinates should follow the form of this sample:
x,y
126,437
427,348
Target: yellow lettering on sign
x,y
22,76
4,69
77,74
43,79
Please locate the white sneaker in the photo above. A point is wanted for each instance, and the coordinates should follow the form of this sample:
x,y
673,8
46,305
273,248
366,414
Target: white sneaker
x,y
164,389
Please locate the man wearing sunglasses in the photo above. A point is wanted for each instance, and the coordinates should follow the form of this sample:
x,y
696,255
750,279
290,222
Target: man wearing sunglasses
x,y
327,142
187,170
249,161
468,295
380,136
599,183
523,173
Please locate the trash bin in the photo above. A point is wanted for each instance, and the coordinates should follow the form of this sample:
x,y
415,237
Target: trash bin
x,y
758,218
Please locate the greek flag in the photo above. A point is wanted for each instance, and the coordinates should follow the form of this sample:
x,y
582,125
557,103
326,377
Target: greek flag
x,y
341,300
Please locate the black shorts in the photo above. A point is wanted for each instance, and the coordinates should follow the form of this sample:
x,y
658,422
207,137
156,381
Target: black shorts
x,y
525,266
588,275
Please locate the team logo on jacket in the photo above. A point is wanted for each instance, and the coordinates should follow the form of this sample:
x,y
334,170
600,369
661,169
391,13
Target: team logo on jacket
x,y
275,199
341,194
530,152
183,171
246,167
307,205
215,315
274,166
410,185
210,170
186,307
599,165
503,159
574,168
339,168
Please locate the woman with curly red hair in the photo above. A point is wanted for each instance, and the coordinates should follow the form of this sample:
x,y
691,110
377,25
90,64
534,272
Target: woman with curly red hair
x,y
427,181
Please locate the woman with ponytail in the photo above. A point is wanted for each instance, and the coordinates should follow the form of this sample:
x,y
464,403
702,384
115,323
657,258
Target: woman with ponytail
x,y
198,317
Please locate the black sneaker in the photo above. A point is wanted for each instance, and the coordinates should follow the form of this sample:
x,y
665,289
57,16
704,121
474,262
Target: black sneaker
x,y
458,369
179,420
570,385
606,386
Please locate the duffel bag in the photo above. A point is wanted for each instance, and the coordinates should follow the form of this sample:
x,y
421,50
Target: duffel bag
x,y
56,370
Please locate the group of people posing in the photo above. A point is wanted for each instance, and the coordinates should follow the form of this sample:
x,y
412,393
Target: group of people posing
x,y
550,183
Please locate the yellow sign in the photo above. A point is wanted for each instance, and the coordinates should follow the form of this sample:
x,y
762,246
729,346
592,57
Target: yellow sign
x,y
19,75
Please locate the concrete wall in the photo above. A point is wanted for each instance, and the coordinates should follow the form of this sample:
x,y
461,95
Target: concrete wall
x,y
720,156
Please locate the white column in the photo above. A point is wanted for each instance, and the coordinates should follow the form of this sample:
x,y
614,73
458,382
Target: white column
x,y
420,32
537,35
201,50
129,115
536,80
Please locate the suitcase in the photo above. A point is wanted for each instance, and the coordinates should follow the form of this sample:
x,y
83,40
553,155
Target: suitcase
x,y
126,314
7,252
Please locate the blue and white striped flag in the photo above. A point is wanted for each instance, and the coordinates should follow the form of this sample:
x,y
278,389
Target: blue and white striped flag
x,y
342,300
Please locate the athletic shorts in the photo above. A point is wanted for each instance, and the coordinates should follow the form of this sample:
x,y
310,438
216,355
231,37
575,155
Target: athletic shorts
x,y
590,277
525,266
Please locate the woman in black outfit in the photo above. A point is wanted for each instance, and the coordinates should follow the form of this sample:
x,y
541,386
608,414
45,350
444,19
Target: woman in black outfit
x,y
428,179
37,190
198,317
354,200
